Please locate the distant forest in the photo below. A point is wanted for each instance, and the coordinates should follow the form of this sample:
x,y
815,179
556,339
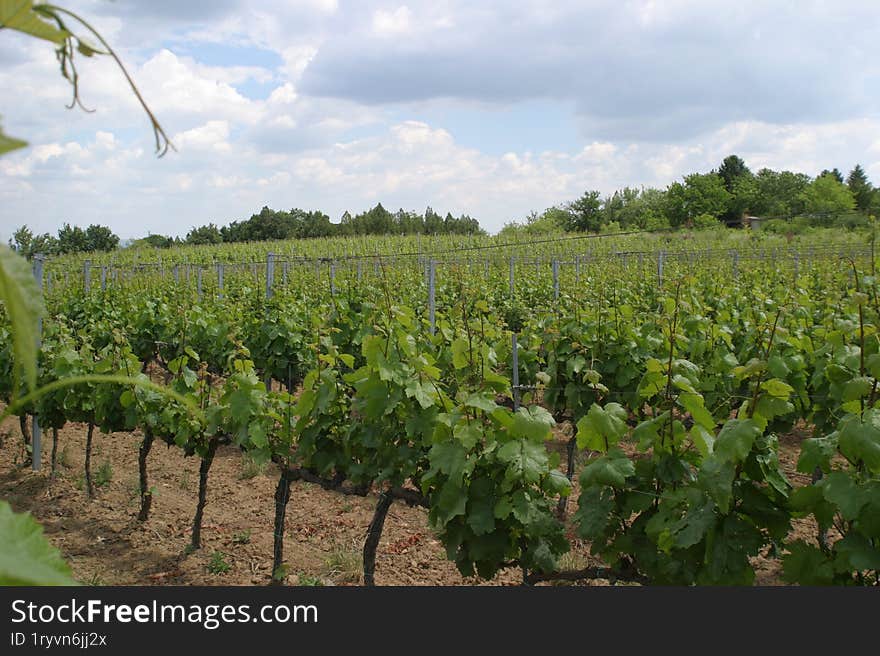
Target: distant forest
x,y
791,201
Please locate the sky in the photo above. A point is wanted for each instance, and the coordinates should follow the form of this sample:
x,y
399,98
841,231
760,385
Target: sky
x,y
494,109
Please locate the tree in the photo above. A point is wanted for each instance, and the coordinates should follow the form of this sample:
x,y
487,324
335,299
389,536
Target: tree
x,y
433,222
553,219
731,169
27,244
154,241
779,193
100,238
701,193
675,204
833,172
827,195
585,214
206,234
72,239
94,238
739,183
316,224
705,194
345,224
743,198
860,187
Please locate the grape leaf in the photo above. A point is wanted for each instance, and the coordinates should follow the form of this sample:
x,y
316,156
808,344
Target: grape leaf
x,y
26,556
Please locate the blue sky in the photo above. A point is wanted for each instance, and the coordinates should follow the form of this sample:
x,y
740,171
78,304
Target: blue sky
x,y
493,109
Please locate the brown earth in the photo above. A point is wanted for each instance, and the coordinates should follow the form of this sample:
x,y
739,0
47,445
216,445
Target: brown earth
x,y
106,545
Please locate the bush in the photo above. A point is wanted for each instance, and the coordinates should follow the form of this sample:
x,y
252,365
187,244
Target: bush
x,y
704,221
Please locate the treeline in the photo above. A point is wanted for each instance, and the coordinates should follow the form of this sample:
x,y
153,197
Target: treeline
x,y
267,225
300,224
725,195
70,239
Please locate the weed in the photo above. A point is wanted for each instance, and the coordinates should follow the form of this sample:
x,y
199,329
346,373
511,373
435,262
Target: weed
x,y
344,564
104,474
133,489
242,537
185,482
280,572
307,580
218,564
572,561
250,468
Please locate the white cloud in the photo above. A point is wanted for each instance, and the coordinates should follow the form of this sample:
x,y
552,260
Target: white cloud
x,y
178,88
212,136
392,23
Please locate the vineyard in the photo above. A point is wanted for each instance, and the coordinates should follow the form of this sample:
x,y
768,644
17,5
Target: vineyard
x,y
675,409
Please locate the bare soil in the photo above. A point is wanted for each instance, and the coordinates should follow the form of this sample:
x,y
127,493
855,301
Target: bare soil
x,y
106,545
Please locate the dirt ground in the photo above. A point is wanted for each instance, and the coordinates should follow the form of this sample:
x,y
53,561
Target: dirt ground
x,y
106,545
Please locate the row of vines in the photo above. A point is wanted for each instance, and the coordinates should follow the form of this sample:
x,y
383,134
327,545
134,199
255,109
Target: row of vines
x,y
351,387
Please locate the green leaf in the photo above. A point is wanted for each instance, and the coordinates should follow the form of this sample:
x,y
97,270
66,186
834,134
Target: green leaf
x,y
556,483
860,440
697,521
857,388
611,469
424,394
575,365
682,383
503,508
806,565
857,554
841,490
532,423
648,431
594,512
817,452
810,499
525,460
777,367
703,439
872,364
736,439
482,401
652,382
695,405
728,547
480,506
460,353
752,368
8,144
26,556
601,427
777,388
20,15
869,520
769,407
716,478
24,306
468,434
450,502
449,458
